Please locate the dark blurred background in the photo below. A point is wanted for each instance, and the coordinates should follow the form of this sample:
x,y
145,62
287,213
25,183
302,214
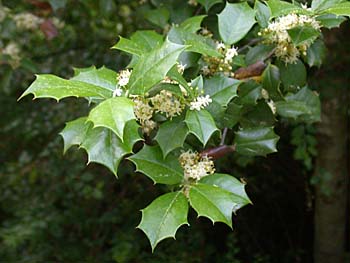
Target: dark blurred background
x,y
55,209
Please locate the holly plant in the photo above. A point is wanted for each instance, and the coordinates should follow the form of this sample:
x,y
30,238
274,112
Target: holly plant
x,y
197,88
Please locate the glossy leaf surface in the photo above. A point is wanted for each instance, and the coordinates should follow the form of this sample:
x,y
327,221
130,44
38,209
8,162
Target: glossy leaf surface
x,y
163,217
150,161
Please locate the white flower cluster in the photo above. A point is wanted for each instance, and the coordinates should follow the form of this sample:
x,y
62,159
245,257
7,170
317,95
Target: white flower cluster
x,y
277,33
196,167
123,77
3,13
192,2
123,80
165,102
13,50
27,21
143,113
223,64
200,102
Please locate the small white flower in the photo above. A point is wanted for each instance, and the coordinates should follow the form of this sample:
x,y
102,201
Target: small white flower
x,y
220,45
117,92
123,77
272,106
200,102
230,53
181,68
196,166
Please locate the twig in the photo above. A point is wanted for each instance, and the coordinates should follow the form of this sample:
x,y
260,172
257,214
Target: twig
x,y
224,133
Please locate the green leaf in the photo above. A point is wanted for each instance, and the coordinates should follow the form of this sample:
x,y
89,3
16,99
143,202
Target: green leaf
x,y
102,77
140,42
340,9
258,53
113,114
195,43
150,161
50,86
212,202
217,112
105,148
271,82
235,21
128,46
256,141
320,5
201,124
101,144
293,74
262,14
75,132
330,20
147,40
159,16
316,53
174,74
249,92
192,24
163,217
232,114
221,89
153,67
208,3
303,34
171,135
305,105
281,8
257,116
230,184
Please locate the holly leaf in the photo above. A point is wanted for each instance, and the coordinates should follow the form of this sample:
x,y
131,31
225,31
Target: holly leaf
x,y
192,24
201,124
330,20
158,17
221,89
271,82
303,34
305,104
74,132
208,3
150,162
104,147
281,8
235,21
171,135
320,5
163,217
292,74
152,67
259,115
262,14
128,46
195,43
340,9
256,141
212,202
249,92
101,144
50,86
113,114
258,53
231,184
316,53
102,77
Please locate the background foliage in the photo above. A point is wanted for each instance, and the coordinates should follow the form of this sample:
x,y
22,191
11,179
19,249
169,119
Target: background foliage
x,y
53,208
